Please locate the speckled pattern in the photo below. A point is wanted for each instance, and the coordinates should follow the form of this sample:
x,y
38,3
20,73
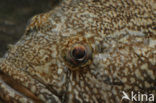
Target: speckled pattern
x,y
120,37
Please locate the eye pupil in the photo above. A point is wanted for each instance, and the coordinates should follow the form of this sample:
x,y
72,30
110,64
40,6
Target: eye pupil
x,y
78,52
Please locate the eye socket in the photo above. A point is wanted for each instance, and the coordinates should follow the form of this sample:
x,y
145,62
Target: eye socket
x,y
78,55
78,52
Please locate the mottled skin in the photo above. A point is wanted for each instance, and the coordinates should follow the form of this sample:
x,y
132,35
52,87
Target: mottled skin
x,y
121,40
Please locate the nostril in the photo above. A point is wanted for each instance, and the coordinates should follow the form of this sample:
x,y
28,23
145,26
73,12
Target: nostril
x,y
78,52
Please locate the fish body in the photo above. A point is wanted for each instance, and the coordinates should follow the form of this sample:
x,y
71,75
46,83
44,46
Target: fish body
x,y
83,51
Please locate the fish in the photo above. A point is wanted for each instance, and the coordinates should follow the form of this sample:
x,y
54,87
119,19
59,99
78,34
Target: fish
x,y
84,51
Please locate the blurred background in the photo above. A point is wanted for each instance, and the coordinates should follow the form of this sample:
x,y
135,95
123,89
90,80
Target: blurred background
x,y
14,15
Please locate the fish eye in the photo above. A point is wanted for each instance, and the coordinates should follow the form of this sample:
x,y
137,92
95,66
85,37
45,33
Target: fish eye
x,y
78,53
78,56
